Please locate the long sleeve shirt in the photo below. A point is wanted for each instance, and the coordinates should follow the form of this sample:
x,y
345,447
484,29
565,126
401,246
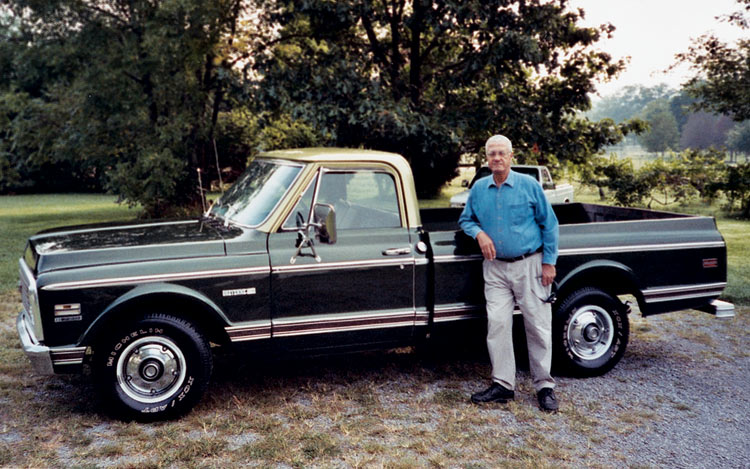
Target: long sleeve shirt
x,y
517,216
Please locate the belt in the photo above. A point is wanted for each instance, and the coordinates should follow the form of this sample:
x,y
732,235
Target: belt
x,y
521,257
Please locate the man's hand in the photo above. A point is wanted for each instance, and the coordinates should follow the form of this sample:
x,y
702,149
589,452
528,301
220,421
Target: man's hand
x,y
486,245
548,274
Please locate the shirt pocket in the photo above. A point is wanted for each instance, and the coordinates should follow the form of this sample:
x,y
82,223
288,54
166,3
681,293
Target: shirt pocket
x,y
519,215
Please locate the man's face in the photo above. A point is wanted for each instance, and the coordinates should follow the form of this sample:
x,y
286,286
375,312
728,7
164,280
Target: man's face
x,y
498,159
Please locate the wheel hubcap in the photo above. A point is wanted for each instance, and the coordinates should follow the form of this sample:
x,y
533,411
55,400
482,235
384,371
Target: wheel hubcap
x,y
590,332
151,369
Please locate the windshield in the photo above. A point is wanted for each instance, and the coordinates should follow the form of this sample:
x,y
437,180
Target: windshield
x,y
252,198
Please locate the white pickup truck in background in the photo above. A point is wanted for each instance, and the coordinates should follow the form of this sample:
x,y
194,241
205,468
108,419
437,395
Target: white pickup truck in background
x,y
556,194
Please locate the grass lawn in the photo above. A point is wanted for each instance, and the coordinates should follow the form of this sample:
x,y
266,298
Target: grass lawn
x,y
23,215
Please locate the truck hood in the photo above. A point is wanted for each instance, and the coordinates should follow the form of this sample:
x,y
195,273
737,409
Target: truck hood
x,y
81,246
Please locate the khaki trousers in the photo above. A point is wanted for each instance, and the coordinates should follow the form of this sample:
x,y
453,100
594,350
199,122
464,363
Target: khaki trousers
x,y
507,284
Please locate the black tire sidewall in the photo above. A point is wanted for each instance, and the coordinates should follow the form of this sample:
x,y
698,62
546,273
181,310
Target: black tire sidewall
x,y
198,364
566,361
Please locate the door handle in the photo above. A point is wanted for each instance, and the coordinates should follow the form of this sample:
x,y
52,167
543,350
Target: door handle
x,y
397,251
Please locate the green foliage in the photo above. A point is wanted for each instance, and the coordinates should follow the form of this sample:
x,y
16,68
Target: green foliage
x,y
149,179
433,80
629,187
679,178
736,187
629,102
703,168
738,138
102,86
663,133
722,80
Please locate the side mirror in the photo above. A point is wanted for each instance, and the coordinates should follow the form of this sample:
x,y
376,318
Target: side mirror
x,y
548,185
325,223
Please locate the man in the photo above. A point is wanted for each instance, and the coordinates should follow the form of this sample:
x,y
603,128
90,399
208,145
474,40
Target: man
x,y
513,223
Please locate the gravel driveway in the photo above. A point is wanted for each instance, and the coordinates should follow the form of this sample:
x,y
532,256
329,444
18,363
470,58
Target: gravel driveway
x,y
678,399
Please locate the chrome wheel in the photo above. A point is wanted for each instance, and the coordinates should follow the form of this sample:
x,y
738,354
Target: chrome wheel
x,y
151,369
590,332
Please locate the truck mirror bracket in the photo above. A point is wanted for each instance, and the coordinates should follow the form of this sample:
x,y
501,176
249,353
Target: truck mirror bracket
x,y
324,228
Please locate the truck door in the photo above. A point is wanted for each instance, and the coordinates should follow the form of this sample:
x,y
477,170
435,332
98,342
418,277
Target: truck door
x,y
357,292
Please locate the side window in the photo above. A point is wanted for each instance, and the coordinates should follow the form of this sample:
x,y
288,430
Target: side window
x,y
361,199
546,178
301,211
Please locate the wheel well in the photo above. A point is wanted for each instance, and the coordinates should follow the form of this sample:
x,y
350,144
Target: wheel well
x,y
201,315
613,281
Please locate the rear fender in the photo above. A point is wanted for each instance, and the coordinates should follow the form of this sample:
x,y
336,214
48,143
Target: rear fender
x,y
612,277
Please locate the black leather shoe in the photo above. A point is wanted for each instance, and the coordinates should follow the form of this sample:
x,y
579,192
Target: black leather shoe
x,y
495,393
547,400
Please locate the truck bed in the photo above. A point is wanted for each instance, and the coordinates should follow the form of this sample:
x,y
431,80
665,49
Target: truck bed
x,y
665,259
446,219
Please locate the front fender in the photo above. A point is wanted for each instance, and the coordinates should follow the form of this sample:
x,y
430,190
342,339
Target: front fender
x,y
189,304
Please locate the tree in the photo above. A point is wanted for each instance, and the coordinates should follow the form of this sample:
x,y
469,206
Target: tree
x,y
663,133
629,102
703,130
129,89
738,138
722,80
432,80
736,187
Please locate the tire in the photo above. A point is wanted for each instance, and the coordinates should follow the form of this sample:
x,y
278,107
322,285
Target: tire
x,y
156,369
589,333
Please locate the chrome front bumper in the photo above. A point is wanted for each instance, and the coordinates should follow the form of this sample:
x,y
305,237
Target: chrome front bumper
x,y
46,360
39,354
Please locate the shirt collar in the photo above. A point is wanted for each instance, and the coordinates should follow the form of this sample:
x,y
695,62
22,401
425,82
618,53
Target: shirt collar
x,y
510,180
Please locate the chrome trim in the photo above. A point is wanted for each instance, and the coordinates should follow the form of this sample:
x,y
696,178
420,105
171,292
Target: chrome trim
x,y
599,250
422,317
445,258
249,331
661,294
457,312
38,354
112,282
291,327
68,355
30,299
343,265
640,248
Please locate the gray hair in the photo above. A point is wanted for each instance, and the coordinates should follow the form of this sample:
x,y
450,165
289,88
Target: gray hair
x,y
501,139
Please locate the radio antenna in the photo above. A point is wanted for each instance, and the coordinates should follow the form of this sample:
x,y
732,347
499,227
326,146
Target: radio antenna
x,y
200,188
218,169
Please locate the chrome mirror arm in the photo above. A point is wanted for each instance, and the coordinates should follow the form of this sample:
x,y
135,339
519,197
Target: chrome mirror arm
x,y
305,241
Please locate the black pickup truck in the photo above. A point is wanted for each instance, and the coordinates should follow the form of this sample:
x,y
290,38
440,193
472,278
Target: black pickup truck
x,y
322,251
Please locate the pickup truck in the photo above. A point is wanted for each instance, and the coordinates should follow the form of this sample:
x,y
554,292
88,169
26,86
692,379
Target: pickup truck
x,y
556,193
318,251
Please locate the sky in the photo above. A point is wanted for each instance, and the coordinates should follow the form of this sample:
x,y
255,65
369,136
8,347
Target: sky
x,y
651,32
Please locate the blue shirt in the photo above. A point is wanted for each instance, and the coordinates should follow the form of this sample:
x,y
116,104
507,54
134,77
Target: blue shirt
x,y
517,216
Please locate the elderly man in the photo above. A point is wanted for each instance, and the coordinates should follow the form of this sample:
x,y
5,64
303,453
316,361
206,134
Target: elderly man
x,y
517,231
